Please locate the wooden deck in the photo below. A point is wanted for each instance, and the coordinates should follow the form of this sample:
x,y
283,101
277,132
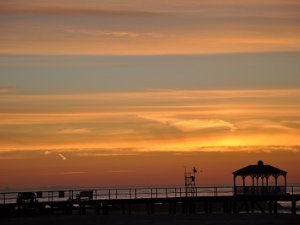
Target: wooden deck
x,y
147,201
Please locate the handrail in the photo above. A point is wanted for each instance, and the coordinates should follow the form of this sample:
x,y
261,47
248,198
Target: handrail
x,y
133,193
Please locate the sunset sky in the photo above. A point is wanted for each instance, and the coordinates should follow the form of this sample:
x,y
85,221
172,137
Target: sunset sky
x,y
129,93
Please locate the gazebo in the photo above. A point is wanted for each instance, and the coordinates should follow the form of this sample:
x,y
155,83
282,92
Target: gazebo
x,y
260,184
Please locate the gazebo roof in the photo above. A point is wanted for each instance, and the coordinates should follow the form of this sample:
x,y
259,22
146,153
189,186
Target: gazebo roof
x,y
259,170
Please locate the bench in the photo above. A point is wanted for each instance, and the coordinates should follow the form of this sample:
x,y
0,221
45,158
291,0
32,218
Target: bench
x,y
84,196
26,198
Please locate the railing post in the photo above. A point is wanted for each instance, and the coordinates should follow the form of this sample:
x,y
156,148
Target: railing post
x,y
150,192
116,193
108,194
130,193
4,198
166,192
135,193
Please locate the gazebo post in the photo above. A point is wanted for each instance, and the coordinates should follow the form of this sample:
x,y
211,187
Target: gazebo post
x,y
262,184
257,182
285,184
244,184
234,184
252,188
267,183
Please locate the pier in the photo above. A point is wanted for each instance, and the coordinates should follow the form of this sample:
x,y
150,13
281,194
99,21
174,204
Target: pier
x,y
251,197
170,200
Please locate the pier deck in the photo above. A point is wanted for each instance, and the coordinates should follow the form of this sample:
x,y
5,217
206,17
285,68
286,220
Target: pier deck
x,y
147,200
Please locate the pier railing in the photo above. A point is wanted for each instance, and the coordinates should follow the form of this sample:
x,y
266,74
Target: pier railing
x,y
126,193
259,190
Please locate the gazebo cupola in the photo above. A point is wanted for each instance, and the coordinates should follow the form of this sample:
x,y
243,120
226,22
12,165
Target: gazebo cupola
x,y
260,175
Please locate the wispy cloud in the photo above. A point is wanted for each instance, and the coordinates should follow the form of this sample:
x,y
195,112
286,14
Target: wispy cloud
x,y
260,124
71,173
147,151
7,90
162,119
75,131
120,171
188,27
62,156
84,11
115,34
193,124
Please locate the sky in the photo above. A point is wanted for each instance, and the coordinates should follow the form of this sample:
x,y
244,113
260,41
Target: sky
x,y
130,93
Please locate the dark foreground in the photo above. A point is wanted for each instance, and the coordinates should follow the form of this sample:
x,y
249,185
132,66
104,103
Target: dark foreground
x,y
203,219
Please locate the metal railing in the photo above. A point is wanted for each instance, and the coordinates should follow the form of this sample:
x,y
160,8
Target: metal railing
x,y
129,193
259,190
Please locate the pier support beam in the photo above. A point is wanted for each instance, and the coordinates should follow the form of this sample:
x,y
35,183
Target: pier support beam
x,y
183,207
129,209
208,207
105,209
69,209
252,207
227,207
234,207
98,209
270,207
172,207
294,207
247,207
150,208
51,209
275,207
82,209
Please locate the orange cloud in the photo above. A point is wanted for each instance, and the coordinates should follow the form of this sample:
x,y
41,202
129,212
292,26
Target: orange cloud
x,y
163,120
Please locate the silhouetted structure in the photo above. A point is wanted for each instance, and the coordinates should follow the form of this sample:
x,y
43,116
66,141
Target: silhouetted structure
x,y
190,182
85,195
261,174
26,197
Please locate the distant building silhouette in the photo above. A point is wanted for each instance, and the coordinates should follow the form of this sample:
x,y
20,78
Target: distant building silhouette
x,y
260,175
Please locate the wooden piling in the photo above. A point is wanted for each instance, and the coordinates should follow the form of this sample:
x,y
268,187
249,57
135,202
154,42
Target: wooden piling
x,y
294,207
275,207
